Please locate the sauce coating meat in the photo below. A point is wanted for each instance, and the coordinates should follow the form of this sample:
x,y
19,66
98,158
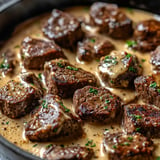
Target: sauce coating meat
x,y
63,78
63,28
93,47
120,146
68,153
119,69
142,118
96,104
53,121
147,35
18,98
35,52
111,20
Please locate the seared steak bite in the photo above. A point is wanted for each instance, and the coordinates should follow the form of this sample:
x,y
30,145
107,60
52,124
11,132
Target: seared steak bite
x,y
142,118
155,58
96,104
63,28
121,146
63,79
8,62
18,98
148,89
53,121
35,52
147,35
68,153
93,47
111,20
119,69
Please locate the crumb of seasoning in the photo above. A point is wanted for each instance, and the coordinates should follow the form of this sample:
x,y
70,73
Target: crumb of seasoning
x,y
40,76
158,90
131,43
153,85
62,145
143,60
132,69
114,146
7,122
92,40
49,145
130,138
158,158
35,145
138,129
72,68
92,90
130,10
90,143
105,107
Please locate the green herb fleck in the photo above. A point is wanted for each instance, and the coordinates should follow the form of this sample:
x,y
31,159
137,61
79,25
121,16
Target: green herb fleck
x,y
114,146
138,116
35,145
111,81
65,108
40,76
107,101
105,107
158,158
106,129
4,65
130,138
130,10
138,129
92,40
97,60
72,68
128,55
55,130
44,104
60,64
7,122
132,69
140,65
153,85
111,96
92,90
49,145
126,143
93,145
131,43
17,46
158,90
90,143
143,60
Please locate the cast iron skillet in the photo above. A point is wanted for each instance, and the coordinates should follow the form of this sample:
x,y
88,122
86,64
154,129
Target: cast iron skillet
x,y
13,12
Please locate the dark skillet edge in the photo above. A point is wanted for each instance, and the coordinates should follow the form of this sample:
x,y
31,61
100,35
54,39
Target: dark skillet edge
x,y
28,10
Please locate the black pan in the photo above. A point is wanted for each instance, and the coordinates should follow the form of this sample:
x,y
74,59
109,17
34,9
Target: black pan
x,y
13,12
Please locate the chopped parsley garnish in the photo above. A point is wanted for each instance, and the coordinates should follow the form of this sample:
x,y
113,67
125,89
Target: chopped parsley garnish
x,y
111,96
128,55
138,129
65,108
132,69
55,130
90,143
130,138
60,65
110,59
131,43
111,81
107,101
4,65
7,122
92,90
143,60
158,158
105,107
130,10
72,68
114,146
92,40
106,129
137,116
126,143
140,65
97,60
44,104
49,145
158,90
35,145
153,85
40,75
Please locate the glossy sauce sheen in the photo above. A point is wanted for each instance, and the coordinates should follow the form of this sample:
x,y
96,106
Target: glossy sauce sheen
x,y
13,130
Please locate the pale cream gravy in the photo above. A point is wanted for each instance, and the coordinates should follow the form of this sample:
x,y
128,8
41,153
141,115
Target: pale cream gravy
x,y
13,129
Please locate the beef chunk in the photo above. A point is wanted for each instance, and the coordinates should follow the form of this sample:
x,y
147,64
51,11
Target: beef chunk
x,y
35,52
155,58
63,79
143,118
63,28
8,62
18,98
96,104
68,153
111,20
121,146
53,121
93,47
147,35
148,89
119,69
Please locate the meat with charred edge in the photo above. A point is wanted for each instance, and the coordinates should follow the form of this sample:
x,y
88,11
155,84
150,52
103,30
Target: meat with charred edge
x,y
148,90
18,98
68,153
121,146
53,121
96,104
111,20
35,52
63,79
119,69
8,63
147,35
93,47
63,28
142,118
155,58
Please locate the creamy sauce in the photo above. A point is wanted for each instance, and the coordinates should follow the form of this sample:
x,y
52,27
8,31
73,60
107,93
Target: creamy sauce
x,y
13,129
